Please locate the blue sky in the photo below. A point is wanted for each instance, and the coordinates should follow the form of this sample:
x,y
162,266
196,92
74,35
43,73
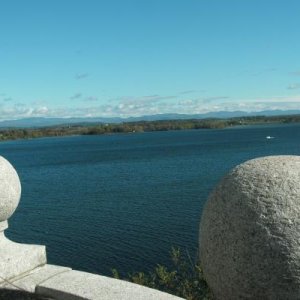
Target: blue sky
x,y
63,58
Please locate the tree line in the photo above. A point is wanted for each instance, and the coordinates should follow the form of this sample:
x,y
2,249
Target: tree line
x,y
140,126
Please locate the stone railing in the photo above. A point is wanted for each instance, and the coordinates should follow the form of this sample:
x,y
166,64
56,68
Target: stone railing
x,y
24,267
249,241
250,231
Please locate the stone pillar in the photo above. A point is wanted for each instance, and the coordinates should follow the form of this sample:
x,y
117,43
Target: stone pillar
x,y
250,231
15,259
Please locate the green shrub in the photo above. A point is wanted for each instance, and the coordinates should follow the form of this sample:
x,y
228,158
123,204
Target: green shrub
x,y
184,279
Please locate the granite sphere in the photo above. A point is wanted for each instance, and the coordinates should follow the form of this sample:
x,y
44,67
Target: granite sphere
x,y
10,189
250,231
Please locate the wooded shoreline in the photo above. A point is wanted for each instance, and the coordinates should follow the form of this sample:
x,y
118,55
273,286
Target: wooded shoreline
x,y
140,126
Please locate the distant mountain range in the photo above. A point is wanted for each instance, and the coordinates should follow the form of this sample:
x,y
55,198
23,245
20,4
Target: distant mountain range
x,y
43,122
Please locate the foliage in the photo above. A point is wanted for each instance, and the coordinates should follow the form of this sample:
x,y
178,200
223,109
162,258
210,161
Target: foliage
x,y
140,126
184,279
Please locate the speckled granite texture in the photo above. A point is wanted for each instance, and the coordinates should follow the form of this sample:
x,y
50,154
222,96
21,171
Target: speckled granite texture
x,y
250,231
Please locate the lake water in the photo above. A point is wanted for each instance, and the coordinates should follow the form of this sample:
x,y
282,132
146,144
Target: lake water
x,y
123,201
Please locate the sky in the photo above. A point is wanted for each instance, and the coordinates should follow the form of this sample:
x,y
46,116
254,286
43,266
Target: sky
x,y
94,58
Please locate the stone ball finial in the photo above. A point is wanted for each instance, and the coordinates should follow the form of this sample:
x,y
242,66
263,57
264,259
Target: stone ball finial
x,y
250,231
10,189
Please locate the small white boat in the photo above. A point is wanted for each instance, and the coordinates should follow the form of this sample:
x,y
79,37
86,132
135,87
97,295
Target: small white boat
x,y
268,137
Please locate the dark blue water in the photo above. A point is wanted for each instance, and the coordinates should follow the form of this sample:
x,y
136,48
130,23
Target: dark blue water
x,y
123,201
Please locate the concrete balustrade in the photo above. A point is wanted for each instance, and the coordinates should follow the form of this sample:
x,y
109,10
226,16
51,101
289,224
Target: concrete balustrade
x,y
24,267
250,231
249,241
15,259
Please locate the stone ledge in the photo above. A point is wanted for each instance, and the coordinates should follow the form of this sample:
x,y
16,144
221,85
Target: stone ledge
x,y
64,283
76,285
29,281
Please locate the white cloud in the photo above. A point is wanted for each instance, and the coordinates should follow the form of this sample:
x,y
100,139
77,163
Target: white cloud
x,y
194,106
294,86
154,104
21,110
40,110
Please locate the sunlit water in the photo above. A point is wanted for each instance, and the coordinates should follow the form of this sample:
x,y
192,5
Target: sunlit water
x,y
123,201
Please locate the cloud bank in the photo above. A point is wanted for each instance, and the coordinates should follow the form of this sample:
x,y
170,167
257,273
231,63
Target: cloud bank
x,y
145,105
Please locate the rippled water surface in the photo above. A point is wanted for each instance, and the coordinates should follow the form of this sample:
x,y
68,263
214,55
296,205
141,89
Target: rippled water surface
x,y
99,202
